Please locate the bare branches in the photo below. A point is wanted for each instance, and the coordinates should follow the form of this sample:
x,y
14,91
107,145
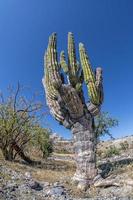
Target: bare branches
x,y
16,95
18,117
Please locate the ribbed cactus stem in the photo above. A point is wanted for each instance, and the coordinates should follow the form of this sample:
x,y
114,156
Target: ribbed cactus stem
x,y
51,97
72,63
52,62
71,54
51,91
63,62
88,75
98,83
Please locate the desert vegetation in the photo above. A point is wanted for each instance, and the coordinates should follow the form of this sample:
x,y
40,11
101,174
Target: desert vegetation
x,y
20,127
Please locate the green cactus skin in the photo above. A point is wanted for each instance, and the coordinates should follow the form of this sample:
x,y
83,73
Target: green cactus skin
x,y
63,62
72,55
89,76
55,88
67,104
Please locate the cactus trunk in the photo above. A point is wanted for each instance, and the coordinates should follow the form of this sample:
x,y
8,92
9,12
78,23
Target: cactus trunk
x,y
85,155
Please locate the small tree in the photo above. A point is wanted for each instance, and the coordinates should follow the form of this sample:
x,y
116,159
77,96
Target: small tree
x,y
18,117
103,124
41,139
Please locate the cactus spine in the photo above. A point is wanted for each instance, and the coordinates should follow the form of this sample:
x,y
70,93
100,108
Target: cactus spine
x,y
67,104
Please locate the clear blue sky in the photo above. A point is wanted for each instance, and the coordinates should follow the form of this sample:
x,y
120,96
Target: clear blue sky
x,y
104,26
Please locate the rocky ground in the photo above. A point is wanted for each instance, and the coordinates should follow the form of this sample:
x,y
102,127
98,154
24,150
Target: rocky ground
x,y
24,184
51,180
16,186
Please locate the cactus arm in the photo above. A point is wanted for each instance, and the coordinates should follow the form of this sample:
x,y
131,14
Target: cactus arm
x,y
52,80
89,77
72,63
52,64
51,91
52,96
99,84
63,62
71,54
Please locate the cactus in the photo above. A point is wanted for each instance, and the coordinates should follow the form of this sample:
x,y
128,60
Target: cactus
x,y
67,103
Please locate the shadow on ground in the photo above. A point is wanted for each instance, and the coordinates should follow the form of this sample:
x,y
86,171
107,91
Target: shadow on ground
x,y
109,166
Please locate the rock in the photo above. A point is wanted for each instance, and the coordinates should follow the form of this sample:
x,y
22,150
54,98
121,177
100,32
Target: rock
x,y
57,191
28,175
46,184
56,184
98,177
106,183
1,190
36,186
129,182
16,186
82,187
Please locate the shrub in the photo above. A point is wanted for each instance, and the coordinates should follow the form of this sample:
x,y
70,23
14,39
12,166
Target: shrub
x,y
63,151
111,151
103,124
41,139
124,145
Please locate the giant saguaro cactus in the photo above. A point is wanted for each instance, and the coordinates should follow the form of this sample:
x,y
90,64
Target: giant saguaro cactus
x,y
66,101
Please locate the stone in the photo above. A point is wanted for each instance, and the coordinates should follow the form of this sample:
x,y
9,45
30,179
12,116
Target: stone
x,y
36,186
56,184
129,182
57,191
46,184
28,175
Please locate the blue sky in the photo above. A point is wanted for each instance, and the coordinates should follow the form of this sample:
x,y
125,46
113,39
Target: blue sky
x,y
104,26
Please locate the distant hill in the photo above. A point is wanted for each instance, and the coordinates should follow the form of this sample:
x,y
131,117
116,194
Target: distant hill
x,y
62,145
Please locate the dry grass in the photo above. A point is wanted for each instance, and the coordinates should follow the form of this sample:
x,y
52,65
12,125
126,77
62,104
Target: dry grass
x,y
40,172
63,154
54,175
51,176
1,156
47,175
124,171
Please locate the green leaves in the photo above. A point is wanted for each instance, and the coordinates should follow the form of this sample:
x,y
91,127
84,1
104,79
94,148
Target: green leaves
x,y
18,116
103,124
41,139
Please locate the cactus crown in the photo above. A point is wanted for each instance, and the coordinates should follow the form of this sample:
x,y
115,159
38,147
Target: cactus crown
x,y
68,99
